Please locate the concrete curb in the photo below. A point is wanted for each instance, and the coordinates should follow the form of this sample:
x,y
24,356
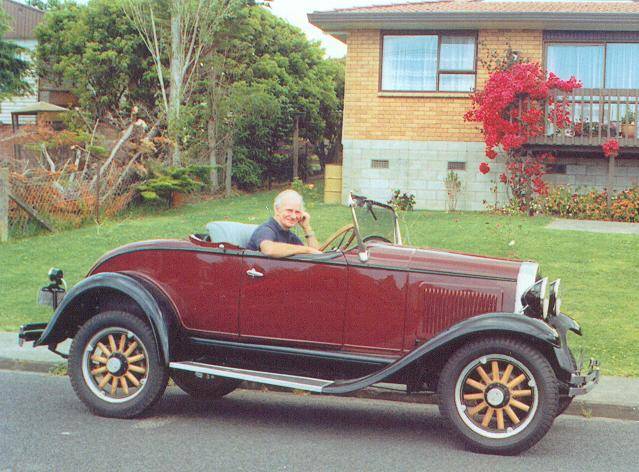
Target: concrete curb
x,y
585,408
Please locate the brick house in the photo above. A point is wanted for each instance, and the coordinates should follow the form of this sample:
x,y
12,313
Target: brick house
x,y
410,69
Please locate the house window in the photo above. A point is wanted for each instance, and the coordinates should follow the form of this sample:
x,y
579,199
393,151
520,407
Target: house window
x,y
607,65
428,63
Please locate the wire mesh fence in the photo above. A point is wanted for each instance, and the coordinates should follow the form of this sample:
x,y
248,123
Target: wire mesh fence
x,y
60,200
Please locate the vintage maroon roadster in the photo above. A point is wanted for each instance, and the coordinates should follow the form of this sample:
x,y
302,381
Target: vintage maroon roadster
x,y
486,334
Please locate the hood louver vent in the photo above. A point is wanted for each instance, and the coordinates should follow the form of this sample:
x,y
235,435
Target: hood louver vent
x,y
445,307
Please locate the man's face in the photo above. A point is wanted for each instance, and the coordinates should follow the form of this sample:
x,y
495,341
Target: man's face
x,y
289,213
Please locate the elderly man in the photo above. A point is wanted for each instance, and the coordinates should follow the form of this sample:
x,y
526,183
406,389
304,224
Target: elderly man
x,y
274,238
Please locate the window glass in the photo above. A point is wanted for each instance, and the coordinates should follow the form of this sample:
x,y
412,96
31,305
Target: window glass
x,y
585,62
410,63
456,82
457,53
622,66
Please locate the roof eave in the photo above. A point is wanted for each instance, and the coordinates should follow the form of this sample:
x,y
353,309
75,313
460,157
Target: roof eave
x,y
339,23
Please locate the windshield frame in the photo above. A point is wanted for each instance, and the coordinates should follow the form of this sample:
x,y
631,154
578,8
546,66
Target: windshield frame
x,y
355,201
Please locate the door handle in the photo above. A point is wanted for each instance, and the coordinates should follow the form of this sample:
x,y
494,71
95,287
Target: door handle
x,y
253,273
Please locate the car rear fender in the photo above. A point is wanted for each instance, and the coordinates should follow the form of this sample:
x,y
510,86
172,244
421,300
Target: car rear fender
x,y
511,324
112,290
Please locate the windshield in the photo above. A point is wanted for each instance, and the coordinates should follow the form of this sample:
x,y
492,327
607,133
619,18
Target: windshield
x,y
374,220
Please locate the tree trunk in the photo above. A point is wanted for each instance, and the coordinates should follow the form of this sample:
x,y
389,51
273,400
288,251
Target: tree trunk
x,y
296,148
212,144
229,168
175,90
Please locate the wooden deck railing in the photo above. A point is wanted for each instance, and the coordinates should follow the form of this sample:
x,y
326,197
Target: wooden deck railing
x,y
597,115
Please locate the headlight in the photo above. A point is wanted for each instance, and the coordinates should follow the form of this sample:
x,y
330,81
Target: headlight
x,y
539,302
534,300
555,301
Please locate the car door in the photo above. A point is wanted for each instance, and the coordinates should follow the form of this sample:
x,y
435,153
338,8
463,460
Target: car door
x,y
377,293
297,300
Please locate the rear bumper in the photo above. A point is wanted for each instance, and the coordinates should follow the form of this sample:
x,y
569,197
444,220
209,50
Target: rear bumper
x,y
582,383
31,332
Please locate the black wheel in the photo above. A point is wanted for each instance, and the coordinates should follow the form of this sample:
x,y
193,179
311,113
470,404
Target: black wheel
x,y
115,366
499,394
203,386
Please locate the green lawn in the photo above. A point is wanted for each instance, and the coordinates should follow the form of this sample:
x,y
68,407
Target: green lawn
x,y
599,272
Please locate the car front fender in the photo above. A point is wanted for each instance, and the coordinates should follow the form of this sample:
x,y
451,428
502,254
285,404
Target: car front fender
x,y
497,323
71,312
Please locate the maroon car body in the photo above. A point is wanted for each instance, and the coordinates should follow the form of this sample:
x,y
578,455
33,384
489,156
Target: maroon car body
x,y
210,313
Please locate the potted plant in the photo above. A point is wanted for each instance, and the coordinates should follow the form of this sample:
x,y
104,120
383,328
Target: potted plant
x,y
628,125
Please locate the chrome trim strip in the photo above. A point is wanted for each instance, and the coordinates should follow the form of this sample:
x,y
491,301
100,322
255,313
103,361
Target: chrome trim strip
x,y
269,378
525,279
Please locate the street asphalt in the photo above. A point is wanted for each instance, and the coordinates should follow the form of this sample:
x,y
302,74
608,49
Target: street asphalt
x,y
614,397
44,427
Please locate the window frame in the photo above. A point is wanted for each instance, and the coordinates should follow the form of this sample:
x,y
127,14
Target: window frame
x,y
599,42
439,34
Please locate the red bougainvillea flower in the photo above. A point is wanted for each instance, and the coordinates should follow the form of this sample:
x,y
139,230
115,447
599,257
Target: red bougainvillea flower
x,y
611,148
503,178
484,168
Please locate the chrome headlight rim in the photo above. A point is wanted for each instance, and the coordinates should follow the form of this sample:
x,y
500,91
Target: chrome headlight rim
x,y
555,301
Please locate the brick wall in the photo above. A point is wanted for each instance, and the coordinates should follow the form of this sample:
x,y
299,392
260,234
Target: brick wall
x,y
369,114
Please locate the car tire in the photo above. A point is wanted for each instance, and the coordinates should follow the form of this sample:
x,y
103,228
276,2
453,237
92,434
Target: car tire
x,y
499,394
564,404
203,386
115,365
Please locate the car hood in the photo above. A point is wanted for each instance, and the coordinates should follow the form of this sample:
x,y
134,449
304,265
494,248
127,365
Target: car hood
x,y
521,274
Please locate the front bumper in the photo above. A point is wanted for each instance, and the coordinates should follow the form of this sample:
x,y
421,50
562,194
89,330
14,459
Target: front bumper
x,y
30,332
580,383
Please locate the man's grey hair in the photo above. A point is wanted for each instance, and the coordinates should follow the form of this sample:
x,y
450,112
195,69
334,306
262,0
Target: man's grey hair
x,y
288,195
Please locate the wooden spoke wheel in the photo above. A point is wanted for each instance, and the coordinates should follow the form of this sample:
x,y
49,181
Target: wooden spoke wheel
x,y
115,365
346,233
500,394
496,395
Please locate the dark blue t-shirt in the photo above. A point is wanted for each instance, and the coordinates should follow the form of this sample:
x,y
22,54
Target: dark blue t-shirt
x,y
272,231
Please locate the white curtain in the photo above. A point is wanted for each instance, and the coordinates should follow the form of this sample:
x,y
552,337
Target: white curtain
x,y
585,62
457,53
622,66
409,63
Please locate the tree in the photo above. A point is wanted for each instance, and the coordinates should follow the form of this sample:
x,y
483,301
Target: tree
x,y
189,27
263,63
14,67
44,4
100,55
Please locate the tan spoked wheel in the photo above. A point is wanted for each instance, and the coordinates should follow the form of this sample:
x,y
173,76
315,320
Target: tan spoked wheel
x,y
115,365
496,395
500,394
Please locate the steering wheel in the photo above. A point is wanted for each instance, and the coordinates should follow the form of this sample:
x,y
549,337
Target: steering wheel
x,y
375,238
346,233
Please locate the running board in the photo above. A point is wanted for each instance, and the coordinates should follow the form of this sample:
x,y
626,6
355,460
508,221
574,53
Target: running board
x,y
268,378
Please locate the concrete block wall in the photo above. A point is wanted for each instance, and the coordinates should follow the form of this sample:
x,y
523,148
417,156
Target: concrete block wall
x,y
586,173
420,168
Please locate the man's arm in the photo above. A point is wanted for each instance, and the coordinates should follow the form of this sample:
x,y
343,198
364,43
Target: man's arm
x,y
274,249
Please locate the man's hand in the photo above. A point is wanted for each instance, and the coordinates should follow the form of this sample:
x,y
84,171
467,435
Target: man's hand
x,y
312,250
305,222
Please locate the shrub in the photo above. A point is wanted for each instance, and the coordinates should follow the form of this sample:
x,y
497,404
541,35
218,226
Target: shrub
x,y
402,201
563,202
